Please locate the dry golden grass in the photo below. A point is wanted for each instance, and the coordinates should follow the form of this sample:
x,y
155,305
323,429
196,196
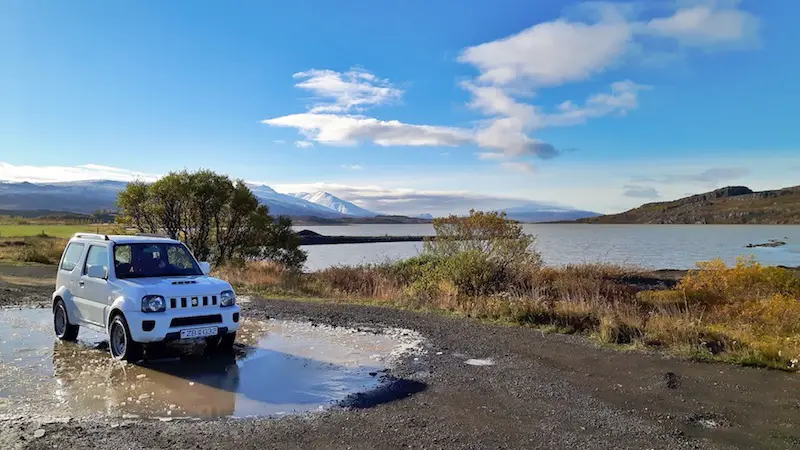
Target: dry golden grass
x,y
749,314
32,249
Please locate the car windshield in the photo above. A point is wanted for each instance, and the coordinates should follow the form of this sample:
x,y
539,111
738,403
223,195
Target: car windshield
x,y
154,260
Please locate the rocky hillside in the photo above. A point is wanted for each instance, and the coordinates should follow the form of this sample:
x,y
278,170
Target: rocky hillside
x,y
729,205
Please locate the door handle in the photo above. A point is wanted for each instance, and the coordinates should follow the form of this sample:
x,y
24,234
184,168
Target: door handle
x,y
81,283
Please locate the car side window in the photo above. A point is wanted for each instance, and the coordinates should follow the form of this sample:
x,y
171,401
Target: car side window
x,y
72,255
98,256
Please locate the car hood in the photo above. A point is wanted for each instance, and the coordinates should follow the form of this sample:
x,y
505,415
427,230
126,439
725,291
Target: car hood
x,y
177,286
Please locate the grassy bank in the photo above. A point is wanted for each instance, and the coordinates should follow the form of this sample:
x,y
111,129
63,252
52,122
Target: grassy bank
x,y
747,314
31,250
26,241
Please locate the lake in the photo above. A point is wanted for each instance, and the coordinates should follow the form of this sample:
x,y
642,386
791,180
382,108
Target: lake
x,y
650,246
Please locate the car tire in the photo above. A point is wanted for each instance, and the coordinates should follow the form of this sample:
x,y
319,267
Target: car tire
x,y
64,330
220,344
226,343
120,343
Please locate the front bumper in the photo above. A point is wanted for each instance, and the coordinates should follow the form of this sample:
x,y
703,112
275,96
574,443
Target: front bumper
x,y
164,330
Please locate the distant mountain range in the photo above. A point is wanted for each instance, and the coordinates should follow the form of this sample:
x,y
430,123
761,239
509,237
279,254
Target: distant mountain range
x,y
335,203
77,197
88,196
535,212
85,197
729,205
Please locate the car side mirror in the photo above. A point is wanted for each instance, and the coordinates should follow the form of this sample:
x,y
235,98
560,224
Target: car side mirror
x,y
96,271
205,268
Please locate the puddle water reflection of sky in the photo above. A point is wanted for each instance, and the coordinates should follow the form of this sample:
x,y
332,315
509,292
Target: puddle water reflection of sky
x,y
283,367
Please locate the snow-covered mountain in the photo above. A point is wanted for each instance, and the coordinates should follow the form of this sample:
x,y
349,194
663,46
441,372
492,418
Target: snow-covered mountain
x,y
291,205
335,203
90,196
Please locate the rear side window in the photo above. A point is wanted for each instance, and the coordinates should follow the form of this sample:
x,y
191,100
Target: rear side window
x,y
71,256
98,256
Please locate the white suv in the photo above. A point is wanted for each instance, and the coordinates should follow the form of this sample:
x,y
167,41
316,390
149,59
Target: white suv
x,y
141,290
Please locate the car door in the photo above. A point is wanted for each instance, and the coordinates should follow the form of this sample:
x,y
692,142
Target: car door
x,y
94,287
68,273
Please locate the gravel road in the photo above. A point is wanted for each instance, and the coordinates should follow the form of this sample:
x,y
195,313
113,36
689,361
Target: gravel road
x,y
524,389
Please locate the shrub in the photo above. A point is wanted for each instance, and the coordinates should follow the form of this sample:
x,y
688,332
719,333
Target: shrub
x,y
42,250
747,280
218,218
491,234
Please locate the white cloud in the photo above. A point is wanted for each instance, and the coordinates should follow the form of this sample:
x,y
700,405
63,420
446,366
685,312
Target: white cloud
x,y
507,134
337,129
491,156
518,166
492,100
338,92
54,174
550,53
622,98
510,71
352,167
303,144
707,24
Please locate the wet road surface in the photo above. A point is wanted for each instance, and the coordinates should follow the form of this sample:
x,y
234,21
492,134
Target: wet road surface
x,y
278,367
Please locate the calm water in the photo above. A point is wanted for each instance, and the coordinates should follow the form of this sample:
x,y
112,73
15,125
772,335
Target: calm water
x,y
651,246
280,367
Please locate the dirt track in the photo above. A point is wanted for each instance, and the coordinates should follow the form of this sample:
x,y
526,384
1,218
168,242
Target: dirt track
x,y
543,391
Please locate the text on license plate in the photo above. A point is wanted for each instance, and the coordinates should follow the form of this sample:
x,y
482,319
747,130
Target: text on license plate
x,y
199,332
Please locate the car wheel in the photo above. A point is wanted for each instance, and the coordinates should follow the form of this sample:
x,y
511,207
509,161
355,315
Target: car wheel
x,y
226,343
220,344
122,346
64,330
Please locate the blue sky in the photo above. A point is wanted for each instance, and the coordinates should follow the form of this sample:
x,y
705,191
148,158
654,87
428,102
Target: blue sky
x,y
408,107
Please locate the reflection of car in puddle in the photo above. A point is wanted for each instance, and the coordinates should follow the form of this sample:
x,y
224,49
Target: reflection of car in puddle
x,y
90,381
277,367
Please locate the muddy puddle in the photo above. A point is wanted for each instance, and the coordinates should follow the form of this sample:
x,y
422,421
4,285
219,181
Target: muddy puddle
x,y
279,367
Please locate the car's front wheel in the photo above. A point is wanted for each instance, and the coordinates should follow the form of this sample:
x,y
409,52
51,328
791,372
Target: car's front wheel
x,y
220,344
119,341
61,325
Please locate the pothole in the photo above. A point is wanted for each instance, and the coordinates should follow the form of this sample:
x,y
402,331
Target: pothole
x,y
279,367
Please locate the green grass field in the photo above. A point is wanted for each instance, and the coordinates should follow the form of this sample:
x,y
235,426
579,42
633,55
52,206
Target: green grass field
x,y
64,231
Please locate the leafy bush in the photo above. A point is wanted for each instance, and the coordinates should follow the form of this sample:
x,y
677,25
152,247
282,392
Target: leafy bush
x,y
217,218
490,234
714,282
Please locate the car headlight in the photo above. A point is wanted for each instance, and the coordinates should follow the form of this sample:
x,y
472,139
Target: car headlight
x,y
153,303
227,298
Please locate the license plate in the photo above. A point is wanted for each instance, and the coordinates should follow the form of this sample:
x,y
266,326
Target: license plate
x,y
198,332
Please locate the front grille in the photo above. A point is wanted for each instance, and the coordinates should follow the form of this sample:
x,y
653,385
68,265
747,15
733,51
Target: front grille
x,y
196,320
192,302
